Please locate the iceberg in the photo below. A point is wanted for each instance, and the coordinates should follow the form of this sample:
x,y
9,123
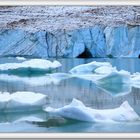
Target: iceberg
x,y
29,67
32,116
20,58
88,68
76,110
116,83
105,70
47,79
22,101
116,77
136,80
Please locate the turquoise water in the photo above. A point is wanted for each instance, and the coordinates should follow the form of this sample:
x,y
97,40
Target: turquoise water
x,y
62,93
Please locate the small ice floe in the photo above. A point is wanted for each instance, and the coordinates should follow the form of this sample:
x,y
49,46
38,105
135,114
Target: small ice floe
x,y
32,116
135,78
89,67
22,101
78,111
116,83
20,58
29,67
47,79
105,70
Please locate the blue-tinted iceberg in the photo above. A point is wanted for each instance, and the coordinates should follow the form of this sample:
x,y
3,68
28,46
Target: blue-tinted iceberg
x,y
78,111
136,80
22,101
20,58
116,83
106,77
105,70
88,68
29,67
46,79
14,117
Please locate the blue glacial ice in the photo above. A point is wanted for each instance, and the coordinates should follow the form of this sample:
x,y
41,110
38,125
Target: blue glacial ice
x,y
107,78
88,68
29,67
78,111
47,79
22,101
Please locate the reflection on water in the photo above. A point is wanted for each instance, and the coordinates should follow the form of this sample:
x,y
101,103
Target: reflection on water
x,y
63,92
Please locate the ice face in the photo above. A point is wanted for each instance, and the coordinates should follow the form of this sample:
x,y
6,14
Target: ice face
x,y
22,101
88,68
78,111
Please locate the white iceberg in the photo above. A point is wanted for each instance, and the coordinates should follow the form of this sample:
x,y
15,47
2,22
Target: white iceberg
x,y
90,77
116,77
48,79
78,111
135,78
32,116
29,66
105,70
22,101
89,67
116,83
20,58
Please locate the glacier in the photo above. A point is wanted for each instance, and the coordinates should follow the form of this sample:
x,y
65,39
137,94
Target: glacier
x,y
96,41
78,111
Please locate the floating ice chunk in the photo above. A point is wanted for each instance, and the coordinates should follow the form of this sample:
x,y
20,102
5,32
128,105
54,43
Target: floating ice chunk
x,y
116,89
116,83
115,77
89,67
48,79
30,119
90,77
135,80
30,66
32,116
21,101
20,58
56,64
105,70
78,111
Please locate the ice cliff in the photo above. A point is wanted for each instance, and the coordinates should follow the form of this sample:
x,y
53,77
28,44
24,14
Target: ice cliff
x,y
70,31
89,42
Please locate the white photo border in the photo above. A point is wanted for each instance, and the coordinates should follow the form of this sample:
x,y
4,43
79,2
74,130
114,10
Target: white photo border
x,y
78,3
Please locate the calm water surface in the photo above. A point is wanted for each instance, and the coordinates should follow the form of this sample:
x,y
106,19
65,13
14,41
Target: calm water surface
x,y
63,92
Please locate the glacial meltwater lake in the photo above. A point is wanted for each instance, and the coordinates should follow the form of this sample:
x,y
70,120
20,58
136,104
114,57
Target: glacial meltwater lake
x,y
62,92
